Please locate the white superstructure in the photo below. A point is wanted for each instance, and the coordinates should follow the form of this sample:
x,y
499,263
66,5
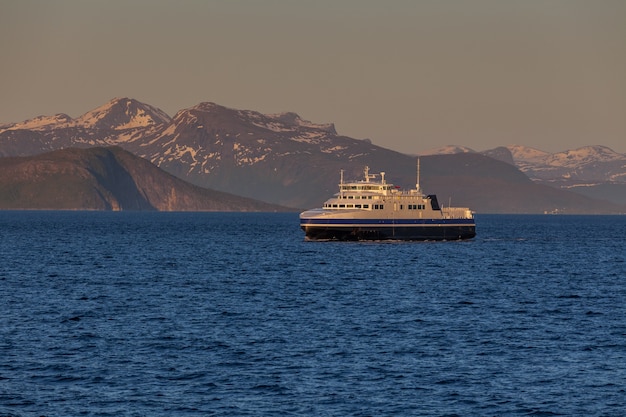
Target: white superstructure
x,y
372,208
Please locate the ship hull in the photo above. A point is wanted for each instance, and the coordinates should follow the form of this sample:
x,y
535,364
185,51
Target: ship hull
x,y
389,230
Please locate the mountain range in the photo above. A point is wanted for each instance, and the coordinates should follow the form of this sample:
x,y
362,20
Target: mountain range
x,y
594,171
282,159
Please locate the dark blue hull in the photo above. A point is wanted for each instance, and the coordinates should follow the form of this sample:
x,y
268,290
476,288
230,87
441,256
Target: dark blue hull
x,y
355,232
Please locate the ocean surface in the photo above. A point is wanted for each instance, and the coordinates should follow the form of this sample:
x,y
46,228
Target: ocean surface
x,y
235,314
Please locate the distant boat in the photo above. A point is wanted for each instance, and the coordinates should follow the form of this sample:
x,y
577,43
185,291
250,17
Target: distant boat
x,y
372,209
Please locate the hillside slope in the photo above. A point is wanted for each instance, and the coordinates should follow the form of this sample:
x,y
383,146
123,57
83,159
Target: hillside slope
x,y
106,179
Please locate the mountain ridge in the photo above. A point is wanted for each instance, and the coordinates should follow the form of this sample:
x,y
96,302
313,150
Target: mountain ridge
x,y
596,171
281,158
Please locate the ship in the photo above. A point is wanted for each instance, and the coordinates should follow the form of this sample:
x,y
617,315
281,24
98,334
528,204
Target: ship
x,y
373,209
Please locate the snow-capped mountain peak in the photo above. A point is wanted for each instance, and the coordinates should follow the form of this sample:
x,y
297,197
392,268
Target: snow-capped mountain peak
x,y
574,157
40,123
117,114
121,114
584,155
526,154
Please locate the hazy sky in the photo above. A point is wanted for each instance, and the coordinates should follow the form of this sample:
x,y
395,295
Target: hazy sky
x,y
410,75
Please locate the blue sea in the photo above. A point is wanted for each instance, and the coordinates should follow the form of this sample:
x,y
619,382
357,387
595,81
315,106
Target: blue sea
x,y
235,314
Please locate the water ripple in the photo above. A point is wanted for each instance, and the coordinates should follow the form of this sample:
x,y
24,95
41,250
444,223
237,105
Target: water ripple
x,y
110,314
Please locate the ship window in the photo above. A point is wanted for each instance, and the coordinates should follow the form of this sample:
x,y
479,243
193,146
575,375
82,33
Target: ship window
x,y
366,206
342,205
357,206
350,197
401,207
350,205
334,205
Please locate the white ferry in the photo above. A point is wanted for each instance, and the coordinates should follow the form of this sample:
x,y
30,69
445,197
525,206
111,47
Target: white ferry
x,y
372,209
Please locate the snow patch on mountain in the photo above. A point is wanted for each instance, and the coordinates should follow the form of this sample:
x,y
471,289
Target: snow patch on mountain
x,y
334,149
250,160
584,155
619,177
245,155
40,123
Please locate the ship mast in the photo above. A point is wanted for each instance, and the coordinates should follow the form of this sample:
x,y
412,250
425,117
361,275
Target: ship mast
x,y
341,183
417,185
